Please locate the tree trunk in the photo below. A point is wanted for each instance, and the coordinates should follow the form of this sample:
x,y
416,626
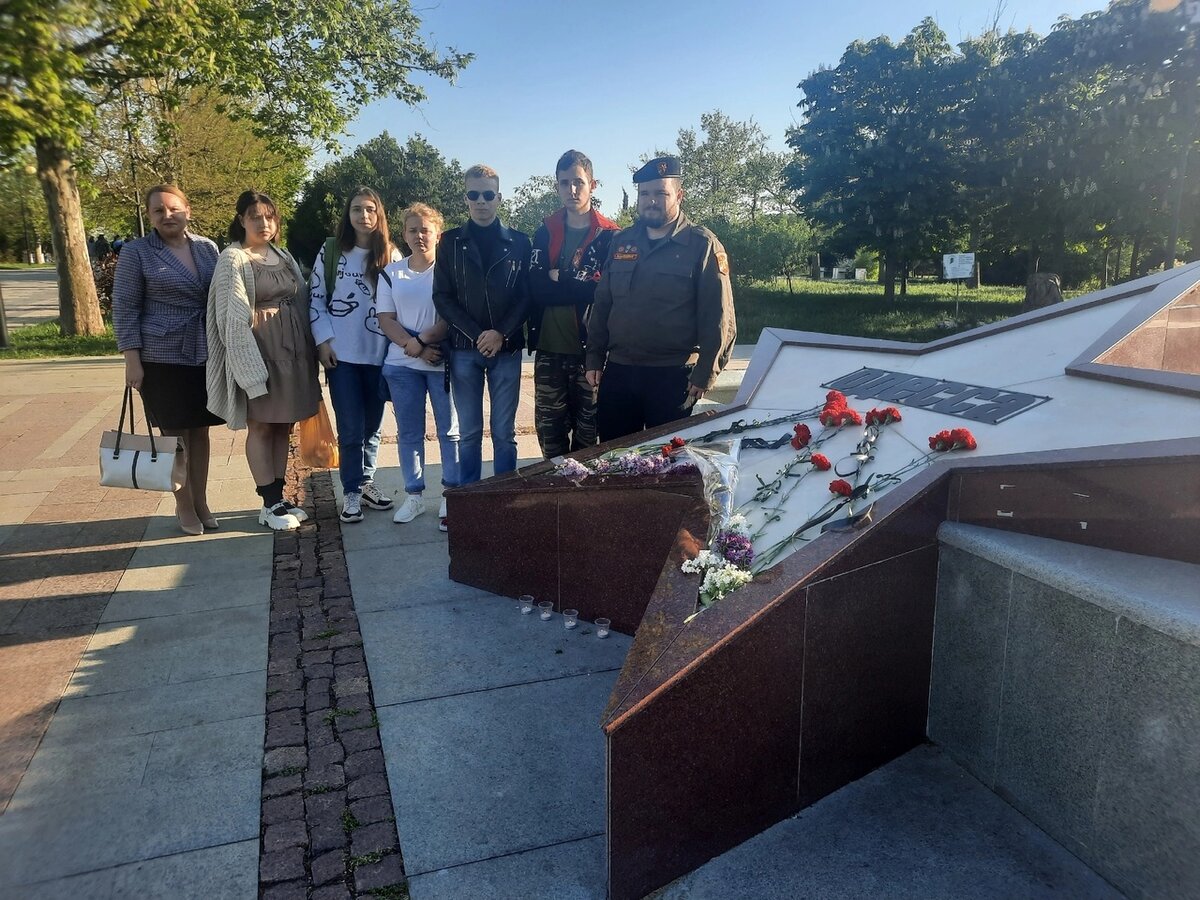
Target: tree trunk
x,y
1134,253
788,275
889,278
1177,200
1104,274
974,280
904,279
1117,264
1031,266
78,306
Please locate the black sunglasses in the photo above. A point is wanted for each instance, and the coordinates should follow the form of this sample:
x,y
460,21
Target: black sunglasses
x,y
488,196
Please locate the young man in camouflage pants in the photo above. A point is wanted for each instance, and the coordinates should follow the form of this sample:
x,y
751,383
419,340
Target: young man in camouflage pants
x,y
569,249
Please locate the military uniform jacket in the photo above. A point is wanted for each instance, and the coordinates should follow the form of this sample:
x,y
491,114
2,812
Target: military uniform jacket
x,y
670,305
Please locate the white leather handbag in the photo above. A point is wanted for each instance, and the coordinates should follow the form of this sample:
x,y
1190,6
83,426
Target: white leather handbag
x,y
140,461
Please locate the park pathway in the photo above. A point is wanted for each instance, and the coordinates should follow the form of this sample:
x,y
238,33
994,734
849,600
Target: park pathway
x,y
132,658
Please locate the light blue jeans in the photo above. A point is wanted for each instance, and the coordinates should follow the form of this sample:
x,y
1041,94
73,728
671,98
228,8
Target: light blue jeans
x,y
358,408
468,368
409,388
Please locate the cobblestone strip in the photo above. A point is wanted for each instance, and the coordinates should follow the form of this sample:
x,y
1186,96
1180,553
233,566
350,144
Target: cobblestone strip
x,y
328,831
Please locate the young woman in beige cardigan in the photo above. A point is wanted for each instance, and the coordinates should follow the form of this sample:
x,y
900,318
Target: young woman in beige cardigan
x,y
262,365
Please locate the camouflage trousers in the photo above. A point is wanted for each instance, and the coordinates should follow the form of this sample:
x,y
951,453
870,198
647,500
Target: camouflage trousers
x,y
564,404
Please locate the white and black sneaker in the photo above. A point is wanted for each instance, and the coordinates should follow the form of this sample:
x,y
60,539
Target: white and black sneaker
x,y
373,497
352,507
278,518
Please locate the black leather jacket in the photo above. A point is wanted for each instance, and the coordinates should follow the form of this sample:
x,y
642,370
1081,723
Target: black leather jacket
x,y
474,301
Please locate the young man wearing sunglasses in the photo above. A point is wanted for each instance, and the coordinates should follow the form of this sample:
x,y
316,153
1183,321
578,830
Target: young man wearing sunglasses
x,y
569,248
480,287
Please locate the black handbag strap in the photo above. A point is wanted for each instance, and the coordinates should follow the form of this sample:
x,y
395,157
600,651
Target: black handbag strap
x,y
127,405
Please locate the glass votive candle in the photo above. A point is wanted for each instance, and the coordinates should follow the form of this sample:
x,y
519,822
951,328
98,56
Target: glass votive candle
x,y
526,603
547,609
602,628
570,618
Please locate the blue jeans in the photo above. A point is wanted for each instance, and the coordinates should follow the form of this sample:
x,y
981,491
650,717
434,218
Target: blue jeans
x,y
409,388
467,371
358,408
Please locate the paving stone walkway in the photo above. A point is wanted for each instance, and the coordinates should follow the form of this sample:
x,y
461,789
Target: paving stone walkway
x,y
133,659
159,689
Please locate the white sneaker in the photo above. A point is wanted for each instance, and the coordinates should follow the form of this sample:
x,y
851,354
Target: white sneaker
x,y
300,514
413,506
352,507
278,518
374,497
442,509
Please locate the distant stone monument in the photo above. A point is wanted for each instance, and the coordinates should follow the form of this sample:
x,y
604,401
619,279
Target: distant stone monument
x,y
1043,289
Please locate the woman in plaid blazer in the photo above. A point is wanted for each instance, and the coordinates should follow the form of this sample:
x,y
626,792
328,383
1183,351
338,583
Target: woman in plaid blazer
x,y
160,294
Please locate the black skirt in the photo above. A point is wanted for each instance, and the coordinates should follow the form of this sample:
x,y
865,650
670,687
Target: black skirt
x,y
176,397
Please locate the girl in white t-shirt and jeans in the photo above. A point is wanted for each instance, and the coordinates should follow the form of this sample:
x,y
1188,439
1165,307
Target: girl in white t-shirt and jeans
x,y
413,367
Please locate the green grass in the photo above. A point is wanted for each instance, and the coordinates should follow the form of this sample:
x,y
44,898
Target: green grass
x,y
858,309
11,266
43,340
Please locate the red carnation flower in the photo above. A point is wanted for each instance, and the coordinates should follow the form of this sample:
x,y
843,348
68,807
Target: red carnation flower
x,y
892,413
961,437
940,441
829,417
850,417
841,486
666,450
821,462
677,442
835,399
802,437
873,416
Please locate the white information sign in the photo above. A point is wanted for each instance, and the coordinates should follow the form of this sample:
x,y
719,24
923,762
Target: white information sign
x,y
957,265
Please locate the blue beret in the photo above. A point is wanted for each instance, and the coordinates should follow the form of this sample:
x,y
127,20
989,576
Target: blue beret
x,y
662,167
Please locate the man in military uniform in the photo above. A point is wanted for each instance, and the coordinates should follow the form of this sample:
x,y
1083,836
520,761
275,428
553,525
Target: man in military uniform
x,y
662,325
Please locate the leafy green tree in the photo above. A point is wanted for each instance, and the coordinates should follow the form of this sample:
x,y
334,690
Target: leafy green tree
x,y
876,157
772,245
196,145
729,171
23,220
533,200
412,173
298,69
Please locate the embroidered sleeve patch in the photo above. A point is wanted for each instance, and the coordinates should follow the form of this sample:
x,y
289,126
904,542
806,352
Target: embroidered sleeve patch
x,y
722,262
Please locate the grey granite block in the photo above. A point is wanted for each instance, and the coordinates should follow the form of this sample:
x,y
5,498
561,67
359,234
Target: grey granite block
x,y
183,647
494,772
920,828
125,605
419,652
60,771
570,871
1057,682
147,573
1148,807
376,587
228,872
1161,593
82,834
969,639
198,751
161,708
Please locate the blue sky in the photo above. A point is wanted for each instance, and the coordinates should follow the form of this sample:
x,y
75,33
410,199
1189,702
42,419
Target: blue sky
x,y
616,78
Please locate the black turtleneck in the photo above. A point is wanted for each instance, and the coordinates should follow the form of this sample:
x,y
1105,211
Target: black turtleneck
x,y
487,239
